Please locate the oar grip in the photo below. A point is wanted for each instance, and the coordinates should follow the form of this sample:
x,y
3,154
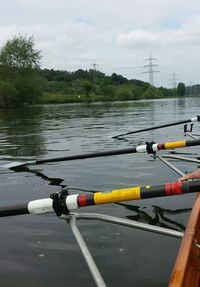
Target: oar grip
x,y
41,206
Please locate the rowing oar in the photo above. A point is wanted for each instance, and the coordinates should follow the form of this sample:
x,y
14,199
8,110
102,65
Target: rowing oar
x,y
148,148
63,203
196,119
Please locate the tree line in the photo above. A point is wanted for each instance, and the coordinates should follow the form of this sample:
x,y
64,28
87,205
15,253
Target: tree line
x,y
22,81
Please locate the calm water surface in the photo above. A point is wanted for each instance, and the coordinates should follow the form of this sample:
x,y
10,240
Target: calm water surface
x,y
41,250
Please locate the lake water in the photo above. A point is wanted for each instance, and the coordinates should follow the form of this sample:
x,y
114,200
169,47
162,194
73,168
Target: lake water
x,y
41,250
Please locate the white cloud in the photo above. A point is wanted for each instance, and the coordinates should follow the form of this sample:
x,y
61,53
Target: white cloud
x,y
120,33
182,37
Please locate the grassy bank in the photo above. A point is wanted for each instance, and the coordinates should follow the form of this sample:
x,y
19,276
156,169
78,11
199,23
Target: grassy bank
x,y
58,98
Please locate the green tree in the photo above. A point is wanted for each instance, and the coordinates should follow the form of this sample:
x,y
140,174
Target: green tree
x,y
118,79
20,63
123,93
87,86
20,53
107,90
181,90
137,94
152,93
7,94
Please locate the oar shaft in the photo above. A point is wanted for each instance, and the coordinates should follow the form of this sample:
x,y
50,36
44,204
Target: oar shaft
x,y
16,209
149,148
134,193
75,201
89,155
39,206
197,118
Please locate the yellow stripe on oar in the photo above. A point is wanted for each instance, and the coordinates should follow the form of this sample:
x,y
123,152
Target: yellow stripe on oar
x,y
117,195
175,144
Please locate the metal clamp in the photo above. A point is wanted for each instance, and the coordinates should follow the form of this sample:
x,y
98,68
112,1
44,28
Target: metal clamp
x,y
59,202
186,129
149,147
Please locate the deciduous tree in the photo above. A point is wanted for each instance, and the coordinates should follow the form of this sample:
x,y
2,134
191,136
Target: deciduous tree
x,y
20,53
20,63
181,89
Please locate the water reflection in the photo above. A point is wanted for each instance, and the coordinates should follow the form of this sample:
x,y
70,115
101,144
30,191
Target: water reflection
x,y
96,110
57,130
157,216
20,132
51,180
181,102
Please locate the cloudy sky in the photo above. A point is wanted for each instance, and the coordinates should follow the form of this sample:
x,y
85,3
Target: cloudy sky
x,y
116,35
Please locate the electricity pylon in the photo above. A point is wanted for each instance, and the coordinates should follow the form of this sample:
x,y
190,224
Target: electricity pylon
x,y
151,70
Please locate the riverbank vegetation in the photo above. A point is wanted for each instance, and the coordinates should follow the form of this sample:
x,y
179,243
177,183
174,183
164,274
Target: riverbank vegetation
x,y
22,81
89,86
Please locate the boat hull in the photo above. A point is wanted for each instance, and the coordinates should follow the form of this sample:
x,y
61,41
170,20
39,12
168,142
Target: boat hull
x,y
186,271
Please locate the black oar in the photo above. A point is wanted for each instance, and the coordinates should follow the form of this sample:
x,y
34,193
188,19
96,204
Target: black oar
x,y
148,147
62,202
196,119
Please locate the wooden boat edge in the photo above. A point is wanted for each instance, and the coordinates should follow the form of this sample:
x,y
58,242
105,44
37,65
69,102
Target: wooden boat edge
x,y
186,271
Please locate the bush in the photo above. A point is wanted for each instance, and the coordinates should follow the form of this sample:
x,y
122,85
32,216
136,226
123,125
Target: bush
x,y
29,87
8,94
152,93
123,93
136,92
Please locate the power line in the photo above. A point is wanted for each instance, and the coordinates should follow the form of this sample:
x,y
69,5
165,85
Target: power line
x,y
122,67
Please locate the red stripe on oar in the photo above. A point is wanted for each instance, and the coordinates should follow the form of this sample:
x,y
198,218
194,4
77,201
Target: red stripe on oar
x,y
176,188
168,188
159,146
82,200
173,188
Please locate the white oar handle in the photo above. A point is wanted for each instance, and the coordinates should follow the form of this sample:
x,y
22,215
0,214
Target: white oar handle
x,y
195,119
41,206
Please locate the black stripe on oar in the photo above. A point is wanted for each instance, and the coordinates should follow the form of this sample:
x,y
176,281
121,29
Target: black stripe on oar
x,y
15,209
193,142
39,206
197,118
89,155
